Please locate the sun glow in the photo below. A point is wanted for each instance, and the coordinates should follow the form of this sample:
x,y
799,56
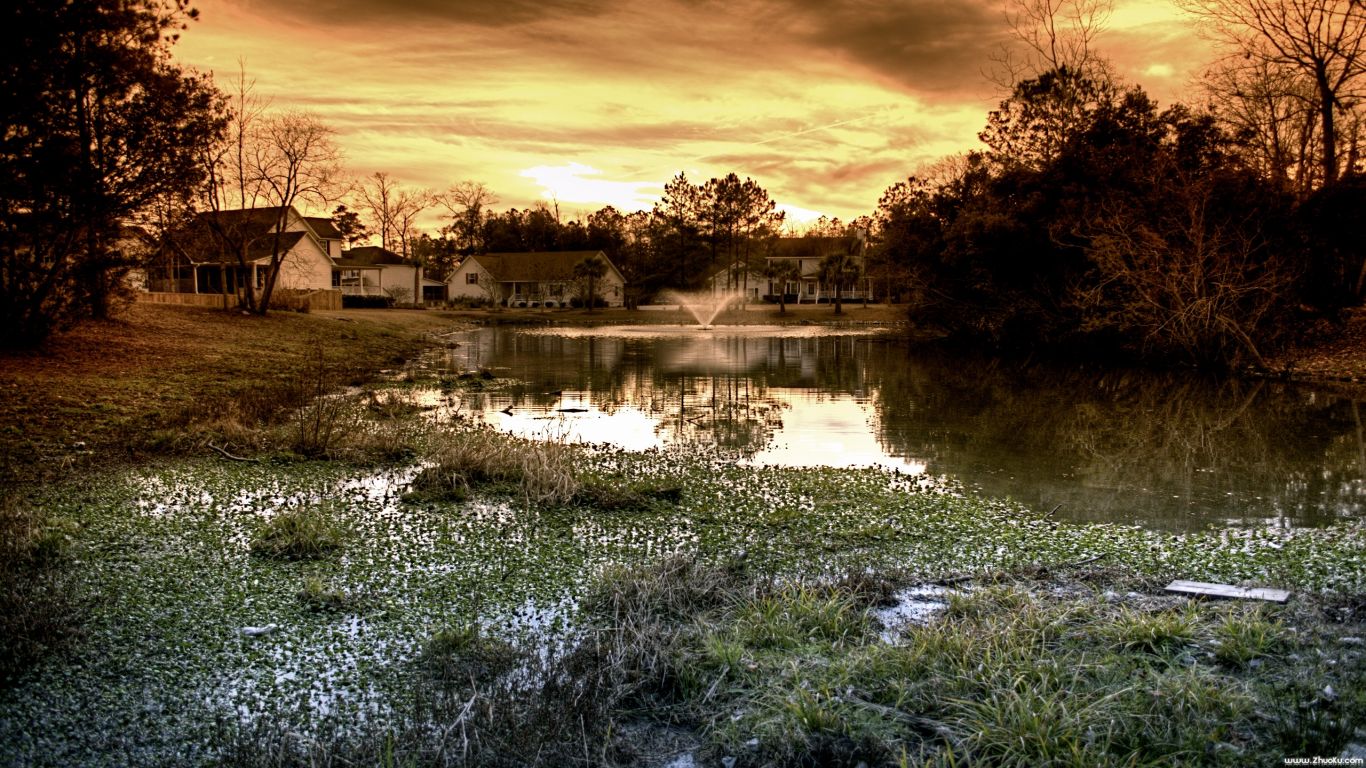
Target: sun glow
x,y
570,184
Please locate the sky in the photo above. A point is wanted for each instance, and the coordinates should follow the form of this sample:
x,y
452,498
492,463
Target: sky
x,y
587,103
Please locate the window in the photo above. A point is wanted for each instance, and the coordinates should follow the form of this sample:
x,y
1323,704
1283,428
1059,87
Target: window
x,y
472,278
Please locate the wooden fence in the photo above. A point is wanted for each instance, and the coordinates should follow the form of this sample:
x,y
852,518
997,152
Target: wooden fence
x,y
284,299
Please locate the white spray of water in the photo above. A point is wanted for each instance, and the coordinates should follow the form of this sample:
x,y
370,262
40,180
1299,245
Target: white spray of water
x,y
704,306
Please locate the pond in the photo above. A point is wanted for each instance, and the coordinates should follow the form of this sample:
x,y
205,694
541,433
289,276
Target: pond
x,y
1172,451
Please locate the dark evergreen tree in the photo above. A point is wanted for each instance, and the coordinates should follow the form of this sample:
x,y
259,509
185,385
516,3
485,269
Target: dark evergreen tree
x,y
99,124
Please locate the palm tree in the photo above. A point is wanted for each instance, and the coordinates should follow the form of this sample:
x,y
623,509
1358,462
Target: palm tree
x,y
841,267
781,272
591,269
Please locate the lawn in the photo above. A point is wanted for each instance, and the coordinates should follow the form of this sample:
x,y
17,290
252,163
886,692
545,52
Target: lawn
x,y
108,391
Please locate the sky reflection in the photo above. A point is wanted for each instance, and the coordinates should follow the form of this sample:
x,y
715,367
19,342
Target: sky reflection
x,y
1166,450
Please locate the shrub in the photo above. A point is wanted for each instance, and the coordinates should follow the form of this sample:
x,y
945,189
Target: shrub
x,y
301,533
367,302
39,610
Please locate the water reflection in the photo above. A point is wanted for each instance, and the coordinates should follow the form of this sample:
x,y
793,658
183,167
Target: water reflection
x,y
1162,450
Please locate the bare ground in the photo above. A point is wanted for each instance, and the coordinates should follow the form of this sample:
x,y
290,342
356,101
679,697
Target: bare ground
x,y
1336,355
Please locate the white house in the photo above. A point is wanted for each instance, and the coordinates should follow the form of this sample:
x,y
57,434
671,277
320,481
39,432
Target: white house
x,y
538,279
203,257
373,271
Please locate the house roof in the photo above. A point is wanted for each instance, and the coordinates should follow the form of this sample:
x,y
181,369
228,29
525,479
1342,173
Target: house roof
x,y
370,256
206,251
254,226
323,228
540,266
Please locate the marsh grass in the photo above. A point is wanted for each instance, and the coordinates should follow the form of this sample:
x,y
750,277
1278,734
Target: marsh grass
x,y
391,404
466,654
626,496
39,608
318,596
1013,675
473,699
542,472
1244,636
299,533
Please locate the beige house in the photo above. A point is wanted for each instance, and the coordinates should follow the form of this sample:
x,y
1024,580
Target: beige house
x,y
806,255
538,279
203,259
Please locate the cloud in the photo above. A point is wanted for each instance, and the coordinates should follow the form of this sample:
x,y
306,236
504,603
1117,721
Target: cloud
x,y
401,13
925,46
572,184
823,102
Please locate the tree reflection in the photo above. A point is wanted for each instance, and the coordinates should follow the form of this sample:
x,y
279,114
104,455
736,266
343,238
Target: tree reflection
x,y
1170,449
1174,450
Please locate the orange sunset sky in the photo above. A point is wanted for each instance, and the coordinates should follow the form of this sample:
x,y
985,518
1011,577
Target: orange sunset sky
x,y
596,102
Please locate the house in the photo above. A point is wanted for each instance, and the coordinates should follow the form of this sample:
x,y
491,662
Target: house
x,y
733,278
202,258
805,255
373,271
538,279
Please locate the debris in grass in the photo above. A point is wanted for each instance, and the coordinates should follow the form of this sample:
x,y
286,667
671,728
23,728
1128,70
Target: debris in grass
x,y
1227,591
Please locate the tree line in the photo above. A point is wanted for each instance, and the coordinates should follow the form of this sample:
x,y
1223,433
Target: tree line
x,y
1095,222
695,229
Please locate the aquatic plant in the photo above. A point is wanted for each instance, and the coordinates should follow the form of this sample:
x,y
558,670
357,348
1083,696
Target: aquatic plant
x,y
300,533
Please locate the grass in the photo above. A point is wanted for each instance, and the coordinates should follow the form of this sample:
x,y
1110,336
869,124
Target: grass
x,y
703,611
539,471
320,597
39,607
167,379
785,675
302,533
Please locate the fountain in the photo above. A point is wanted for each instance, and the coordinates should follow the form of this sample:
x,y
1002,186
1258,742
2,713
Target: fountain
x,y
704,306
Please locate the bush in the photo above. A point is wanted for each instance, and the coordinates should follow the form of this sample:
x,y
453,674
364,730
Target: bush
x,y
38,608
367,302
302,533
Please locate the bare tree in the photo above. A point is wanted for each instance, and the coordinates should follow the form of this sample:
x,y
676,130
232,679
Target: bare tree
x,y
1321,41
1050,34
231,182
294,160
376,197
394,209
466,202
1272,111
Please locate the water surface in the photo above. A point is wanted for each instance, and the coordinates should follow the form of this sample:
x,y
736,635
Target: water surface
x,y
1163,450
